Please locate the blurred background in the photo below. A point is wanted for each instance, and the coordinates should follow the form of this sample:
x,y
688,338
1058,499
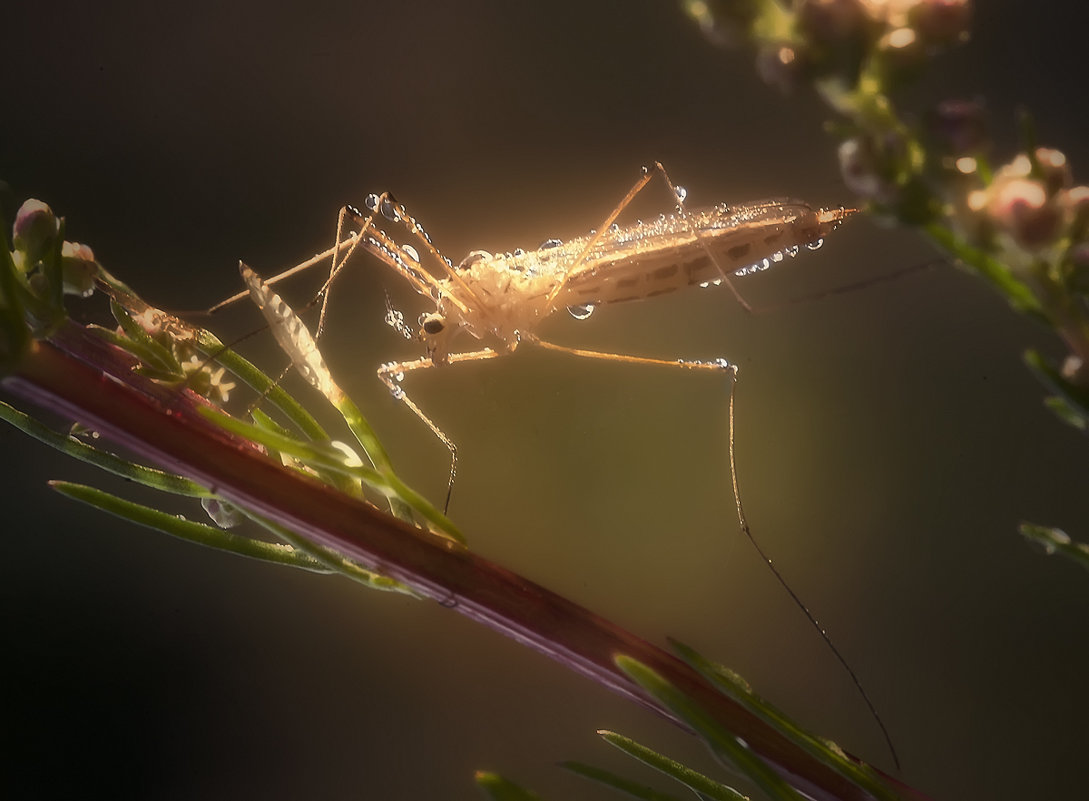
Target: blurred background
x,y
889,440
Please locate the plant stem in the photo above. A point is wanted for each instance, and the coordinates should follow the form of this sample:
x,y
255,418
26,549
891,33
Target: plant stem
x,y
84,378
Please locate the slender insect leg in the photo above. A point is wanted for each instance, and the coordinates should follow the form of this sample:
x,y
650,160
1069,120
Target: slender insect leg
x,y
393,373
684,364
644,179
298,268
398,213
723,365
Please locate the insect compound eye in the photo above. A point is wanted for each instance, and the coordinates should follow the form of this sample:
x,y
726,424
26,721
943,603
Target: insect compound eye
x,y
432,324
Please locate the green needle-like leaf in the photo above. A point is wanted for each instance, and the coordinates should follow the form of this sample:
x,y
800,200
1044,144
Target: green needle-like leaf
x,y
618,783
69,445
188,530
320,457
693,780
733,686
1055,540
498,788
724,744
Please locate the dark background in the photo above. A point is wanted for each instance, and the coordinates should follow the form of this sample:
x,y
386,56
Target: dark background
x,y
889,440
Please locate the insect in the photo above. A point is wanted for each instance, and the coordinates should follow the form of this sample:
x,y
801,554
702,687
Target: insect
x,y
501,299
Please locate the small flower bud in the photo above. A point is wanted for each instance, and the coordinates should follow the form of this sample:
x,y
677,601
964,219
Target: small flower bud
x,y
1022,209
1056,173
34,231
78,269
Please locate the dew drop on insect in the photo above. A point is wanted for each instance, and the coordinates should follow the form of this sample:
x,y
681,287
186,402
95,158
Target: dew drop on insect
x,y
705,285
389,211
411,253
682,193
614,228
582,311
777,256
814,245
519,252
550,243
791,251
371,202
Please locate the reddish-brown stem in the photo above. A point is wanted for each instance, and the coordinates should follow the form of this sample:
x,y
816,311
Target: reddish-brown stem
x,y
87,380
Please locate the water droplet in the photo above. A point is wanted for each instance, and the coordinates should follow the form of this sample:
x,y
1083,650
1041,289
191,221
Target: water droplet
x,y
815,245
614,228
519,252
581,312
777,256
397,392
705,285
682,193
389,211
550,243
791,251
411,253
371,202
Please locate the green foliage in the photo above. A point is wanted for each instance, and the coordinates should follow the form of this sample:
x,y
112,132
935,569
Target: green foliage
x,y
1021,226
498,788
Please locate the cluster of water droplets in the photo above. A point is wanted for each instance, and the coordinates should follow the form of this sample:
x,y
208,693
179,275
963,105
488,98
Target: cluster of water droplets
x,y
395,212
393,378
720,363
766,263
396,320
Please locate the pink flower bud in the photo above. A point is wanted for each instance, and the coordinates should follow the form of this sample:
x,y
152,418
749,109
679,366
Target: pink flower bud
x,y
1022,209
34,231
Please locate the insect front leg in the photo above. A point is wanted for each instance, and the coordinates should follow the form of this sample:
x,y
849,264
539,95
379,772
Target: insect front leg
x,y
393,373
